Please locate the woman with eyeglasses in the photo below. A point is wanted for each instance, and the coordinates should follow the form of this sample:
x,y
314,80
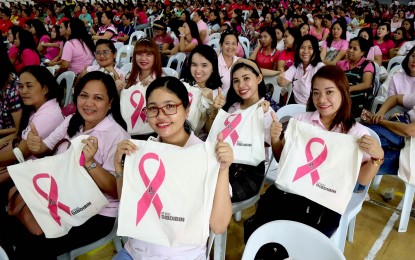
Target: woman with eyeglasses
x,y
167,108
105,53
78,50
126,28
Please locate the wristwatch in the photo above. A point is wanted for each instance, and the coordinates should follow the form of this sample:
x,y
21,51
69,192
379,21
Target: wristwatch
x,y
376,161
92,166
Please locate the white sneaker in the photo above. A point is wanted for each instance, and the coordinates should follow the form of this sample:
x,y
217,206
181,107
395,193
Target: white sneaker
x,y
367,197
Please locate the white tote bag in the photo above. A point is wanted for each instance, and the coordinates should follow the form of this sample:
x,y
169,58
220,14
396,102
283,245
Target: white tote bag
x,y
244,131
58,190
197,112
320,165
406,161
167,193
133,101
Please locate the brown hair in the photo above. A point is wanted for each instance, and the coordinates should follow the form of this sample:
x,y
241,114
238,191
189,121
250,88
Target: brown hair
x,y
343,116
144,45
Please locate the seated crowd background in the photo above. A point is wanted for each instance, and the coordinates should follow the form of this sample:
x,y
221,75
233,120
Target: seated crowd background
x,y
301,46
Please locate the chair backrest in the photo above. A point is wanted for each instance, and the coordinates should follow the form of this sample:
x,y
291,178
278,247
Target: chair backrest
x,y
214,43
397,60
214,36
126,68
290,110
245,44
127,50
180,57
277,89
69,76
136,35
3,254
300,241
245,14
170,72
118,45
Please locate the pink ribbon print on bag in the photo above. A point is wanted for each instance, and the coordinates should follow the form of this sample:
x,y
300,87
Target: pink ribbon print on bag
x,y
312,163
52,197
150,196
138,108
190,97
230,127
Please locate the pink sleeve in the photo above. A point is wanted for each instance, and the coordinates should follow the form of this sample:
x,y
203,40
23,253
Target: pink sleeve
x,y
45,39
392,87
345,45
290,73
369,68
342,65
67,51
377,50
324,44
194,41
58,134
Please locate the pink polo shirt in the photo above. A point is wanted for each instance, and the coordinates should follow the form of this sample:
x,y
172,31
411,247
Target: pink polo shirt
x,y
301,81
201,25
385,47
401,84
313,118
373,51
337,45
28,57
409,102
109,133
288,57
225,73
139,249
78,54
46,119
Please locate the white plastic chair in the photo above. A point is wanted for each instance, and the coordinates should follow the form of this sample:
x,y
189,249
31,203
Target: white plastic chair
x,y
112,236
214,43
397,60
149,30
180,57
126,68
69,76
383,89
245,45
300,241
118,45
245,14
214,36
3,255
170,72
277,89
348,219
127,50
136,35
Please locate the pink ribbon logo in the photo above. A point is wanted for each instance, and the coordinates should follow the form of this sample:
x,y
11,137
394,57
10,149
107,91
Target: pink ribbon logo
x,y
312,163
150,196
138,108
190,97
230,128
52,198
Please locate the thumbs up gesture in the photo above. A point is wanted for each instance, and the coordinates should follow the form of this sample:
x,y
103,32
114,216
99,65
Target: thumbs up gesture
x,y
34,140
224,153
276,128
220,100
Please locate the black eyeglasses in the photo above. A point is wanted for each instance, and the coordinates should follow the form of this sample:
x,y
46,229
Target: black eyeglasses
x,y
105,53
168,110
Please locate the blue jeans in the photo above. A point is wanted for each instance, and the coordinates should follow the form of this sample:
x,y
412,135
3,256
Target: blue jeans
x,y
122,255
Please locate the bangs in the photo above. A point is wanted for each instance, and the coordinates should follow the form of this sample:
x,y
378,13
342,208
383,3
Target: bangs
x,y
144,46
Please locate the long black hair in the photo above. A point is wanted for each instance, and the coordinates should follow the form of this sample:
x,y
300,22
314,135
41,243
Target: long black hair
x,y
77,120
78,32
6,66
342,36
315,59
26,42
46,79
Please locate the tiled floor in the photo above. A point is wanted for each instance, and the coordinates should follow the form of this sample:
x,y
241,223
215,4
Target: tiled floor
x,y
367,244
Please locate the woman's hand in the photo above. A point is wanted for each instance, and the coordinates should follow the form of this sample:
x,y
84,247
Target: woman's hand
x,y
265,105
220,100
377,118
224,153
369,145
181,30
125,147
275,129
34,140
90,149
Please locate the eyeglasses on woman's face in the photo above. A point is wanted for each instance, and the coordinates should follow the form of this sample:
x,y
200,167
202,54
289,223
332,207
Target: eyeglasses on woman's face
x,y
169,109
105,53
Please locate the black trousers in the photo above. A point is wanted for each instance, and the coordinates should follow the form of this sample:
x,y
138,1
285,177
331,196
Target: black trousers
x,y
275,204
29,246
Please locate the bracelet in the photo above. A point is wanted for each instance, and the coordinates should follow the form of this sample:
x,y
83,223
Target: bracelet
x,y
182,35
119,175
376,161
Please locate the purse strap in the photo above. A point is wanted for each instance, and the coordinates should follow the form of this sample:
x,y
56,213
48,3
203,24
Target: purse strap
x,y
56,147
13,208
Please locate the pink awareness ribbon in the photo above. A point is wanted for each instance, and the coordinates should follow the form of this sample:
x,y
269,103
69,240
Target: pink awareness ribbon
x,y
312,163
138,108
52,198
190,97
150,196
230,128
